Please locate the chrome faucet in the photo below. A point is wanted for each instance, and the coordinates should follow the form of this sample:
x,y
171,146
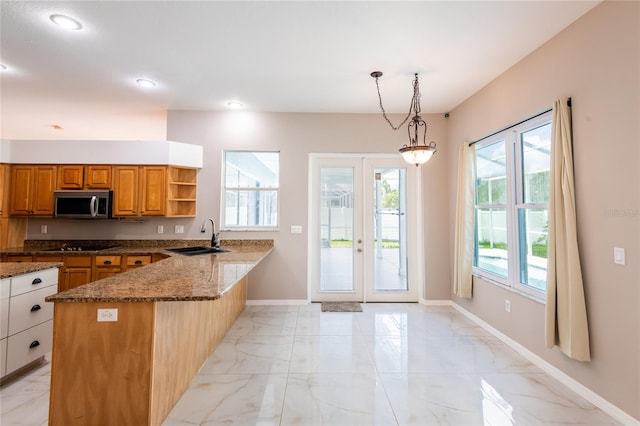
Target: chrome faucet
x,y
214,236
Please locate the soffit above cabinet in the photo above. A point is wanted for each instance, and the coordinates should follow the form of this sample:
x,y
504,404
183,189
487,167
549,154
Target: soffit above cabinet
x,y
100,152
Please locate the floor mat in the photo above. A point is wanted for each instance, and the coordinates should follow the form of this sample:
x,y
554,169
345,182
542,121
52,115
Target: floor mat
x,y
341,307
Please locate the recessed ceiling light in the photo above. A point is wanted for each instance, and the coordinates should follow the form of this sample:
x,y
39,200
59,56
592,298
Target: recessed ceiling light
x,y
235,104
146,83
66,22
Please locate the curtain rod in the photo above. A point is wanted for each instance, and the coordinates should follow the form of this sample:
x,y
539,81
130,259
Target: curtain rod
x,y
517,124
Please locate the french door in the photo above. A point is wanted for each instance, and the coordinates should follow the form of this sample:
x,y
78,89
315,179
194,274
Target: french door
x,y
363,223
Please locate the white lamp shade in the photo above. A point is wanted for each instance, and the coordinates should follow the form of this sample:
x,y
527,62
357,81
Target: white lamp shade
x,y
417,155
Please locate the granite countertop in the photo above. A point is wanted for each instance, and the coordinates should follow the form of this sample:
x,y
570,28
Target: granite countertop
x,y
12,269
176,278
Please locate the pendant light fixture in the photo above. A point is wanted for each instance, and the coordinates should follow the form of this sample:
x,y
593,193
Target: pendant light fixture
x,y
415,152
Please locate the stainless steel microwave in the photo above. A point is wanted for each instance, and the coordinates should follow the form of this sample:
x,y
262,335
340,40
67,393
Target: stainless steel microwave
x,y
91,204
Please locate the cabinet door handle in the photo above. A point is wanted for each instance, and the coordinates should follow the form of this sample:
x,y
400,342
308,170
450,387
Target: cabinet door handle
x,y
107,262
35,308
138,262
34,344
36,281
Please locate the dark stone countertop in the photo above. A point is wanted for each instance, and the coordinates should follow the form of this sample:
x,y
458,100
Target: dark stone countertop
x,y
13,269
176,278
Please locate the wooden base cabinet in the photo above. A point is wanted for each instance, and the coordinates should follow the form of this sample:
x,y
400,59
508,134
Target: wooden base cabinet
x,y
77,271
133,370
136,261
106,266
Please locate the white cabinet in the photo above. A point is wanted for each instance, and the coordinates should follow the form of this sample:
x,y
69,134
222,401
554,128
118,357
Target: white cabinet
x,y
26,319
5,286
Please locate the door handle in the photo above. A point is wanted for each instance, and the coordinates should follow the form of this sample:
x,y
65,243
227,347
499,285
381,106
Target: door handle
x,y
359,250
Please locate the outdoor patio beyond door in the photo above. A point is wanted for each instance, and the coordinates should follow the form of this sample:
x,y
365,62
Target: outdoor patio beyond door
x,y
361,230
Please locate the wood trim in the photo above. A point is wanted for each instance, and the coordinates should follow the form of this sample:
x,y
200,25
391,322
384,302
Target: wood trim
x,y
100,370
133,371
186,333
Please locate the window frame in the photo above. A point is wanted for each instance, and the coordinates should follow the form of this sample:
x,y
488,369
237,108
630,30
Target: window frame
x,y
512,137
224,189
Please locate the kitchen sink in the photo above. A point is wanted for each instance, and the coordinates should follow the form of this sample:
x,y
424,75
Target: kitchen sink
x,y
193,251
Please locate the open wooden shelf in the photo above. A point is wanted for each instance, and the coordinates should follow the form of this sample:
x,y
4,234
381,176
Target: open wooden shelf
x,y
182,191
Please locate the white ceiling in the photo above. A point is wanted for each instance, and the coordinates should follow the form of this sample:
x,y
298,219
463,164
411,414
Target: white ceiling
x,y
294,56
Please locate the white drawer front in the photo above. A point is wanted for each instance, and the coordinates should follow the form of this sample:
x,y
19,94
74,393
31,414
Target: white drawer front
x,y
34,281
4,318
5,286
3,357
29,345
30,309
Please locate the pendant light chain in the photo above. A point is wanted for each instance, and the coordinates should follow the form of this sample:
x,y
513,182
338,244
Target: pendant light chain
x,y
415,103
415,152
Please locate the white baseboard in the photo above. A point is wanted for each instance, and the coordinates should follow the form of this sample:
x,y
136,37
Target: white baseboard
x,y
436,302
274,302
556,373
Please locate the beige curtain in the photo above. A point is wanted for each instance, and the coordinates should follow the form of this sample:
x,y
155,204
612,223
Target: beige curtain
x,y
566,313
463,255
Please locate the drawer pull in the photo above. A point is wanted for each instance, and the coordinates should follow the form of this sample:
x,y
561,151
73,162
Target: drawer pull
x,y
36,281
34,344
138,262
107,262
35,308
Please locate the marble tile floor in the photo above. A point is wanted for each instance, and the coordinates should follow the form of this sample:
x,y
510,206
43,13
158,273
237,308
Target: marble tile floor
x,y
392,364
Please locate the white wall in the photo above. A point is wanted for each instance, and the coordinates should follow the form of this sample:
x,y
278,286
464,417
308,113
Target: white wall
x,y
284,276
595,61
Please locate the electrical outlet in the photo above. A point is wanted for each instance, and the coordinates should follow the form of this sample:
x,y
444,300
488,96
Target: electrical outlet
x,y
179,229
107,315
160,229
296,229
507,305
43,229
618,256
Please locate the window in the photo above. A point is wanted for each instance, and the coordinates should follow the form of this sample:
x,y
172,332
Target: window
x,y
512,206
251,182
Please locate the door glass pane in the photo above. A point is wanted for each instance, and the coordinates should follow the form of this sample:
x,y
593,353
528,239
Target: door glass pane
x,y
336,228
390,227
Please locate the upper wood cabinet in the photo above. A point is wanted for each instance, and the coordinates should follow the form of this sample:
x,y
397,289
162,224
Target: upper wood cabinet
x,y
70,177
5,171
84,177
153,190
168,191
125,190
97,177
31,190
139,191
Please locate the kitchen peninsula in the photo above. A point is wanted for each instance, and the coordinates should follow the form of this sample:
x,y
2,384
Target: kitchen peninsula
x,y
126,347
